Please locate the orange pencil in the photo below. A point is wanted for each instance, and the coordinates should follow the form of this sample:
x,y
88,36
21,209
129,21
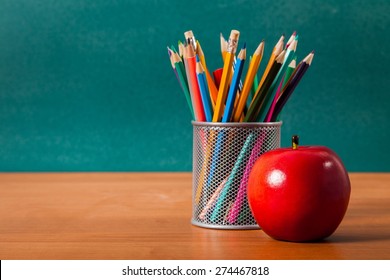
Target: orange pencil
x,y
253,67
275,52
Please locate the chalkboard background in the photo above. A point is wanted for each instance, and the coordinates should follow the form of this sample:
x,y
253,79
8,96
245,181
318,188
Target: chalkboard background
x,y
87,85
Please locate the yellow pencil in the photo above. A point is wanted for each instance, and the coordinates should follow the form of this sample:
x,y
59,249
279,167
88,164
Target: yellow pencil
x,y
252,70
212,87
227,68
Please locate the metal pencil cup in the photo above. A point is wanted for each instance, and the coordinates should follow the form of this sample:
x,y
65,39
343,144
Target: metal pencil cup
x,y
223,156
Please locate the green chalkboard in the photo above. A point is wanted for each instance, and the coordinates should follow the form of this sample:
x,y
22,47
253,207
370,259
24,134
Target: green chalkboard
x,y
87,85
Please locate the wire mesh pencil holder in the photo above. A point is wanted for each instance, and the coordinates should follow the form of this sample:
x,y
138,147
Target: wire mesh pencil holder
x,y
223,156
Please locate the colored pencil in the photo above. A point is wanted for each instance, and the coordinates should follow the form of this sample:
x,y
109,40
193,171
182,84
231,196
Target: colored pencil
x,y
227,191
177,64
212,200
290,70
292,37
234,85
211,84
181,49
204,90
190,62
261,94
227,67
252,70
278,48
284,80
290,52
294,80
224,46
253,90
255,152
173,65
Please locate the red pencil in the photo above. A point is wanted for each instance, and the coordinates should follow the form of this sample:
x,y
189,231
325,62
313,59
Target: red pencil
x,y
190,60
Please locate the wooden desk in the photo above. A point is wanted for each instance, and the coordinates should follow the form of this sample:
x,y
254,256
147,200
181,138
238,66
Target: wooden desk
x,y
147,216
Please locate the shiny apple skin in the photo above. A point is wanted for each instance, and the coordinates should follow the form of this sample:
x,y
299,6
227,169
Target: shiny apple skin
x,y
299,195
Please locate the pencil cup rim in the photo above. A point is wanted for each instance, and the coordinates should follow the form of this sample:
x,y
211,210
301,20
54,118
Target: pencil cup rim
x,y
237,124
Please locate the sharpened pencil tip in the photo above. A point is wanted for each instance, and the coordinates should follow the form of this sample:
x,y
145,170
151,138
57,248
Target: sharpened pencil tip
x,y
244,46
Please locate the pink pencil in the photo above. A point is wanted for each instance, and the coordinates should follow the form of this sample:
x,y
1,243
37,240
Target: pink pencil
x,y
271,109
241,194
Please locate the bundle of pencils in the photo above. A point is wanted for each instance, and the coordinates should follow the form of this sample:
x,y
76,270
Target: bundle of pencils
x,y
229,95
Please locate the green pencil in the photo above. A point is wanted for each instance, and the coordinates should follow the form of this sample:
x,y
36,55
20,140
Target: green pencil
x,y
176,60
272,91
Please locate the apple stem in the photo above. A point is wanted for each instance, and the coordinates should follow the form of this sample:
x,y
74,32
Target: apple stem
x,y
295,142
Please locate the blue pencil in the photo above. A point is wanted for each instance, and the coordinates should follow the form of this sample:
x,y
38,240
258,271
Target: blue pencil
x,y
217,153
234,85
204,90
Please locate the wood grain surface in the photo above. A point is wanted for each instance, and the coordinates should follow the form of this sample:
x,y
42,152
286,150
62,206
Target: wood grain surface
x,y
147,216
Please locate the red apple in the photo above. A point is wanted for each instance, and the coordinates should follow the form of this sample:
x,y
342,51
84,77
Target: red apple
x,y
299,194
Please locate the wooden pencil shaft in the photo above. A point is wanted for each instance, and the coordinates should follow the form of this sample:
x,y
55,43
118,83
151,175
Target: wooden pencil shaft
x,y
253,66
223,87
193,84
181,49
184,84
291,67
203,87
276,51
211,85
285,95
226,72
260,96
234,86
286,61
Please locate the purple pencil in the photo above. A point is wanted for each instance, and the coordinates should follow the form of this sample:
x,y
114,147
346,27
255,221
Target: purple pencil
x,y
286,93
